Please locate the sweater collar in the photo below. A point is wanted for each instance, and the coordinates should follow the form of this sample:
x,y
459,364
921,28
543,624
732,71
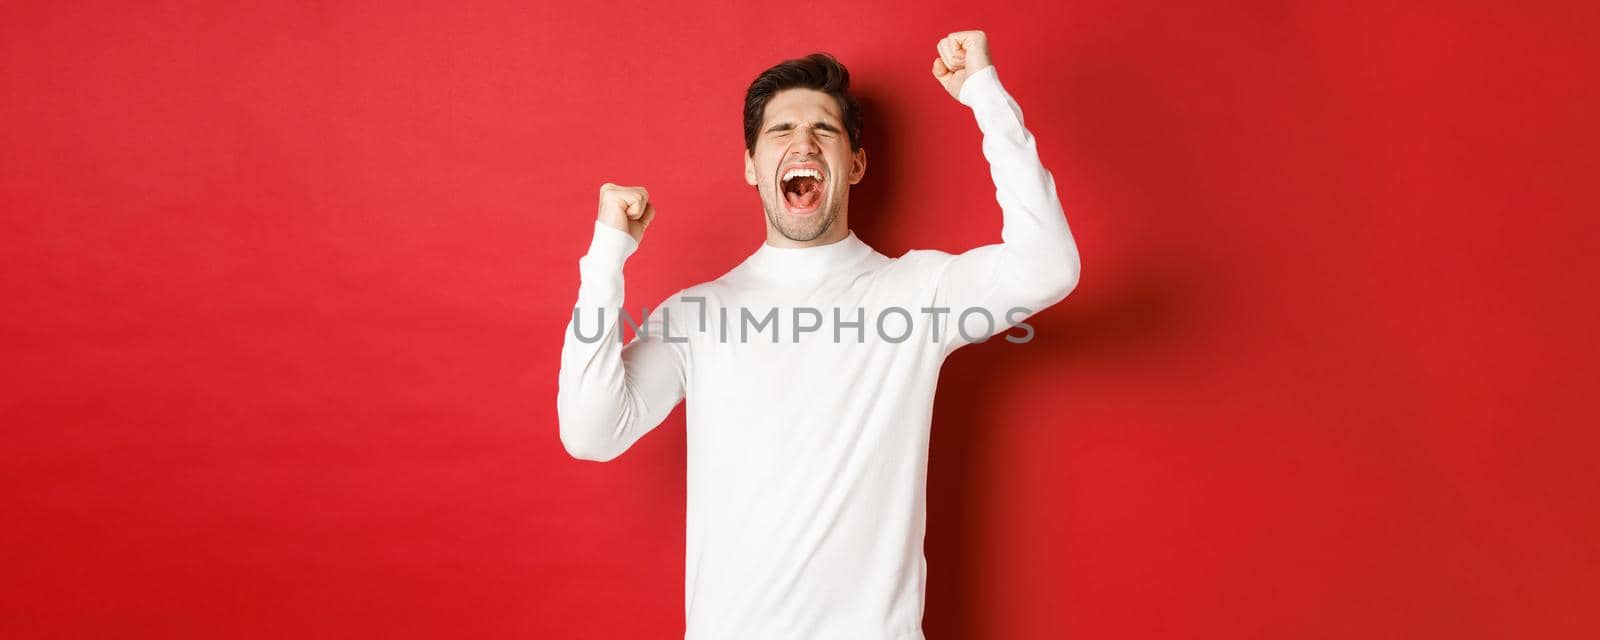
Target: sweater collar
x,y
804,263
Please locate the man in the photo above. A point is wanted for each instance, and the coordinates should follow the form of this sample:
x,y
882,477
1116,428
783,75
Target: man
x,y
808,446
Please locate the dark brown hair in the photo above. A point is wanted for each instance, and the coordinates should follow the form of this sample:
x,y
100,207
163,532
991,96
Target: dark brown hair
x,y
818,71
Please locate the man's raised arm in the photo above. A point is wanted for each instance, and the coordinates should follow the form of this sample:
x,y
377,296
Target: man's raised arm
x,y
611,394
1036,264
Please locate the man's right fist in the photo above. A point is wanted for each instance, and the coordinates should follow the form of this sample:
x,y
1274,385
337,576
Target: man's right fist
x,y
626,209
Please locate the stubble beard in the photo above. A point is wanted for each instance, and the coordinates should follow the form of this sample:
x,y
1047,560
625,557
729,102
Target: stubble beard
x,y
802,229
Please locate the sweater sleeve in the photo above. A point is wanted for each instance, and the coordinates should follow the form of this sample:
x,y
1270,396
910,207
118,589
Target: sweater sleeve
x,y
1036,264
610,394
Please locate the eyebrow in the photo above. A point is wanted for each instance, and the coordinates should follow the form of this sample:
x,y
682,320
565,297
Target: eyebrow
x,y
786,126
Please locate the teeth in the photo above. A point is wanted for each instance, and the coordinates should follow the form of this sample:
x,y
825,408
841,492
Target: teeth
x,y
801,173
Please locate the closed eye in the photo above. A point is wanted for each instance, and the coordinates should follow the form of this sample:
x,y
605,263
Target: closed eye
x,y
785,128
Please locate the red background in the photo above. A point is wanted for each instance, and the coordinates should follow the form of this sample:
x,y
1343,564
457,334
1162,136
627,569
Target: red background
x,y
285,289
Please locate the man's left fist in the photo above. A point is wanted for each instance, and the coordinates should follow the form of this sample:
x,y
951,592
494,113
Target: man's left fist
x,y
961,54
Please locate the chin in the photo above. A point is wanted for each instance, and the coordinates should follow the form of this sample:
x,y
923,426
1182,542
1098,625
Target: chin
x,y
812,226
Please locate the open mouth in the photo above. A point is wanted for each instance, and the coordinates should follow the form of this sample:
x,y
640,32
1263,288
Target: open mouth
x,y
802,189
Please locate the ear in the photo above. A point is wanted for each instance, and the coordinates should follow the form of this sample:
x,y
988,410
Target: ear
x,y
749,169
858,165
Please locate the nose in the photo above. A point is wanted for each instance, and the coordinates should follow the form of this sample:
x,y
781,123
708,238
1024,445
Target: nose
x,y
805,140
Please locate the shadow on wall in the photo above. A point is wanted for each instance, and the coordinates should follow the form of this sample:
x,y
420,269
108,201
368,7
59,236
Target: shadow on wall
x,y
883,160
1146,302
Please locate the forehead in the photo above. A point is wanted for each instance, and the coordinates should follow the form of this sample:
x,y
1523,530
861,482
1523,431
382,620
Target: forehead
x,y
801,105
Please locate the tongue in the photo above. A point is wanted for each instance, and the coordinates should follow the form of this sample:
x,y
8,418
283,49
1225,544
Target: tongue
x,y
803,200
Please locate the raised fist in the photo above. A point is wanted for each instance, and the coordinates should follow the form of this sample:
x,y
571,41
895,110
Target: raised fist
x,y
961,54
626,208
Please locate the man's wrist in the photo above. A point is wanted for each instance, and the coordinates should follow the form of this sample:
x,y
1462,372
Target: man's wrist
x,y
610,246
975,85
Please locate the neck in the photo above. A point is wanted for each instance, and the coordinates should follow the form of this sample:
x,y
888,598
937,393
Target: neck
x,y
810,260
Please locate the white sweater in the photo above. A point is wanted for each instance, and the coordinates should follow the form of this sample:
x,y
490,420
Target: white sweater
x,y
807,431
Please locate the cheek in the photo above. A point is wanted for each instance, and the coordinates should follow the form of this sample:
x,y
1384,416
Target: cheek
x,y
841,168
